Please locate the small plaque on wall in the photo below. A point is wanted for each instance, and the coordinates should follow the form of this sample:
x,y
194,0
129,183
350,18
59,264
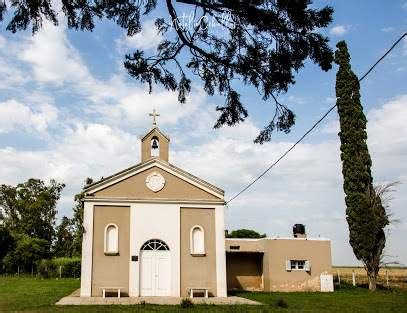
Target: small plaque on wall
x,y
134,258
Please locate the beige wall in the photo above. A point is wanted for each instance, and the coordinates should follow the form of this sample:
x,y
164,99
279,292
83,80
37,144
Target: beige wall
x,y
277,251
146,150
110,271
198,271
175,188
244,271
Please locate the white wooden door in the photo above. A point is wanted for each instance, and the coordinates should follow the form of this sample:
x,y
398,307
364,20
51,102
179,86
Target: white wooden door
x,y
155,273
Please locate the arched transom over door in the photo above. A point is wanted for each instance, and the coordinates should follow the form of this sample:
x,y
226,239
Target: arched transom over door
x,y
155,269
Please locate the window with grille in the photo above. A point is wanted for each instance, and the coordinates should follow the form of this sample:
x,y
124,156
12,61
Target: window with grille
x,y
298,265
155,244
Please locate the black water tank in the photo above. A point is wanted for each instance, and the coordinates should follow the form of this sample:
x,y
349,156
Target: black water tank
x,y
298,229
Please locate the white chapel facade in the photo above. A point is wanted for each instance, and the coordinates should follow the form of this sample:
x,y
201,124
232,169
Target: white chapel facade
x,y
153,229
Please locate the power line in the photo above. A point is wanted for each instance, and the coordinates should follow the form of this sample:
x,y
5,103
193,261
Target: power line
x,y
313,126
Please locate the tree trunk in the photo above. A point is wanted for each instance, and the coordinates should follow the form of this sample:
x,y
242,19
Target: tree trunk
x,y
372,277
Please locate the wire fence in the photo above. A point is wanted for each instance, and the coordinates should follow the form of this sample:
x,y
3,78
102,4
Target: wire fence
x,y
47,268
388,278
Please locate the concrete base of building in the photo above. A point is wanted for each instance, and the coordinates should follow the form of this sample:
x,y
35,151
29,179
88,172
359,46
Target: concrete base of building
x,y
75,299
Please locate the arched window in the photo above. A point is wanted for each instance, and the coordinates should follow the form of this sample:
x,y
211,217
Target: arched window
x,y
155,146
155,244
197,240
111,239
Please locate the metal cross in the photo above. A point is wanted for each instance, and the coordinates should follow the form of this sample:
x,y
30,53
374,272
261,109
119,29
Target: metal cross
x,y
154,115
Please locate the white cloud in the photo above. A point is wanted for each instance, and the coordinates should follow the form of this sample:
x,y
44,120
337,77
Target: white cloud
x,y
339,30
388,137
148,38
296,100
11,75
15,116
92,150
53,58
388,29
115,101
2,42
330,100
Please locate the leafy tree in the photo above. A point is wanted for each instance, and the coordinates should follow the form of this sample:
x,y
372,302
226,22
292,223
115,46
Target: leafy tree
x,y
6,244
260,43
245,233
30,208
365,213
27,252
64,239
77,220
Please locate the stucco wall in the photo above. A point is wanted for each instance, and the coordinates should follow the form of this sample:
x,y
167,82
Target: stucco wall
x,y
278,251
110,271
198,271
318,252
135,187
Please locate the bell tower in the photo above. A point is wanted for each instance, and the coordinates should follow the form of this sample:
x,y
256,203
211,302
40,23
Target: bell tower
x,y
154,144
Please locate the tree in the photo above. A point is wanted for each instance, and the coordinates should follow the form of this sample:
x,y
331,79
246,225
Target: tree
x,y
77,220
64,239
245,233
30,208
259,43
365,213
27,252
6,244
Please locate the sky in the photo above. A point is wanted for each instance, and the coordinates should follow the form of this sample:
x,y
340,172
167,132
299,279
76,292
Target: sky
x,y
69,110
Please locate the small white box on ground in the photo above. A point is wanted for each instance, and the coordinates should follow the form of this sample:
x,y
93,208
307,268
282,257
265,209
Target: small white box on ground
x,y
327,283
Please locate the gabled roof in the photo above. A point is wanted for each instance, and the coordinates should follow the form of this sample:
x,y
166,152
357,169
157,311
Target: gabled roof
x,y
133,170
158,130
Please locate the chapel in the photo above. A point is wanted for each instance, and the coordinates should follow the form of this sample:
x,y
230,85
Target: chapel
x,y
153,229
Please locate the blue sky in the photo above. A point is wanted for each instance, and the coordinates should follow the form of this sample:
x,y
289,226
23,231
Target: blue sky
x,y
68,110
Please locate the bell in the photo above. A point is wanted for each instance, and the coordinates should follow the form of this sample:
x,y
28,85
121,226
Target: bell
x,y
155,144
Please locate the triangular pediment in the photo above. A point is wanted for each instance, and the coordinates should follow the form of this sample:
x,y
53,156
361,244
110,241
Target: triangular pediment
x,y
177,184
153,130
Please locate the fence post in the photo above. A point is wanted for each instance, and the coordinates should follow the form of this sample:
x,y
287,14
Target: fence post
x,y
60,271
353,278
339,278
387,279
18,270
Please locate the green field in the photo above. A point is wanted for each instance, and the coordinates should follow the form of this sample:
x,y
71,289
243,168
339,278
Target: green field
x,y
39,295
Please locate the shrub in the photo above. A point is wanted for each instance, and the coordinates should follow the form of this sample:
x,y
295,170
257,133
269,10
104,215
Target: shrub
x,y
281,303
44,268
70,267
186,303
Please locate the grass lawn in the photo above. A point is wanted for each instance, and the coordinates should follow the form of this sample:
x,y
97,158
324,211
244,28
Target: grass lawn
x,y
27,294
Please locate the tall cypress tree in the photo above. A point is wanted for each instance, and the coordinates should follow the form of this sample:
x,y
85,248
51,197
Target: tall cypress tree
x,y
365,214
